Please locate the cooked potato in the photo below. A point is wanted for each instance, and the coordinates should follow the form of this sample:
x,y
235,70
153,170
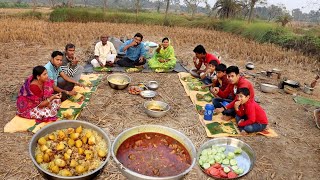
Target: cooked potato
x,y
88,134
69,151
102,153
55,169
60,162
80,151
80,169
73,163
70,130
42,141
71,142
52,137
46,157
79,129
43,148
74,136
78,143
61,135
84,139
60,146
92,140
66,156
65,172
39,158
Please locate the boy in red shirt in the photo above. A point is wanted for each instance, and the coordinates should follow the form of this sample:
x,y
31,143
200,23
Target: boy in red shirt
x,y
229,94
222,80
249,115
203,58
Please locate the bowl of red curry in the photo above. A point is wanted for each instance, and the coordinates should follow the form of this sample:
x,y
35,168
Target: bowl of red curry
x,y
153,152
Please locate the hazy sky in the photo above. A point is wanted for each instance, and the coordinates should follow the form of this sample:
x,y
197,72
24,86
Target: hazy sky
x,y
304,5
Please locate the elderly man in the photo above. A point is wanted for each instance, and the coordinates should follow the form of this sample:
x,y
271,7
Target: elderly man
x,y
104,53
70,67
135,52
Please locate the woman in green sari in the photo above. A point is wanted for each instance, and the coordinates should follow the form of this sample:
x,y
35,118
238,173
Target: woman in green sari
x,y
163,59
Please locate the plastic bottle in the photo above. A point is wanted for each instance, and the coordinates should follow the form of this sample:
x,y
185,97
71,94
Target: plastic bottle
x,y
208,112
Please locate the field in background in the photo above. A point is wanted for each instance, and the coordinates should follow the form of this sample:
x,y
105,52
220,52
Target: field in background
x,y
304,38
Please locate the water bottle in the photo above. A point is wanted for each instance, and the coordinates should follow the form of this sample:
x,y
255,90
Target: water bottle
x,y
208,112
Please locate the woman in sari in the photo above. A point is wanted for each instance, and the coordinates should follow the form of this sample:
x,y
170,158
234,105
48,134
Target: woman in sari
x,y
163,58
36,99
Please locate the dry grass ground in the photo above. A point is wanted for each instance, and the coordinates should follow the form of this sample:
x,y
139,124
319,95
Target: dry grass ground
x,y
27,43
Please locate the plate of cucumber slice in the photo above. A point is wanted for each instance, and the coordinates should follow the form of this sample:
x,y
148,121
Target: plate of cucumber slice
x,y
226,158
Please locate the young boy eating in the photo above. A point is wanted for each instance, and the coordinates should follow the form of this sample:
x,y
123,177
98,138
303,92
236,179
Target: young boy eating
x,y
250,116
209,75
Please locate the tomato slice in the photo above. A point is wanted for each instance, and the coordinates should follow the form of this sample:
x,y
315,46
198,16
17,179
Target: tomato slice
x,y
217,165
232,174
214,172
223,174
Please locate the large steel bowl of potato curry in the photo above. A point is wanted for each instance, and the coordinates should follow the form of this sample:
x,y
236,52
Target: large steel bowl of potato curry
x,y
118,81
153,152
70,149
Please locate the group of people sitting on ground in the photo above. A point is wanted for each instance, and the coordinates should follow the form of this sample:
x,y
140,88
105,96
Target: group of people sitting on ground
x,y
41,95
135,51
234,94
42,92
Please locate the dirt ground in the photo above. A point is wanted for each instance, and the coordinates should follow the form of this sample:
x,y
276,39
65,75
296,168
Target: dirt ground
x,y
295,154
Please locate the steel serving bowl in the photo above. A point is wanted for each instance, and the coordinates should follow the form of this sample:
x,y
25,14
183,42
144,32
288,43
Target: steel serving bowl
x,y
183,139
194,73
121,77
64,124
268,88
148,94
153,85
246,160
291,83
250,65
154,113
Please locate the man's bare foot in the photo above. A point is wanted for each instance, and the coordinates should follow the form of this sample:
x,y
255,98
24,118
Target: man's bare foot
x,y
226,118
243,133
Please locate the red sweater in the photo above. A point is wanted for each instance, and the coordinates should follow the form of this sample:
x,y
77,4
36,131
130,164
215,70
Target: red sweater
x,y
253,111
210,57
242,83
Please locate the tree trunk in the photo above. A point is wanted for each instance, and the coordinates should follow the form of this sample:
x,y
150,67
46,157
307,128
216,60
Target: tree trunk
x,y
166,23
34,5
137,9
105,2
251,13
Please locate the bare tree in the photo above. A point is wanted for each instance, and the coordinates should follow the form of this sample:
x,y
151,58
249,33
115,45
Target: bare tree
x,y
158,5
274,11
85,3
70,3
52,2
166,22
252,4
193,5
137,4
34,5
105,5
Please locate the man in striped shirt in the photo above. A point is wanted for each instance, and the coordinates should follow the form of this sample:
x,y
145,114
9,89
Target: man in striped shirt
x,y
71,67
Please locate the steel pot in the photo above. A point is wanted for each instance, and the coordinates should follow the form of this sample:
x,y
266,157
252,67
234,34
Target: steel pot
x,y
183,139
250,66
119,77
64,124
268,88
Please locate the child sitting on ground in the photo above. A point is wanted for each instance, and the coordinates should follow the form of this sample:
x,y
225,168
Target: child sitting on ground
x,y
250,116
209,75
222,79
